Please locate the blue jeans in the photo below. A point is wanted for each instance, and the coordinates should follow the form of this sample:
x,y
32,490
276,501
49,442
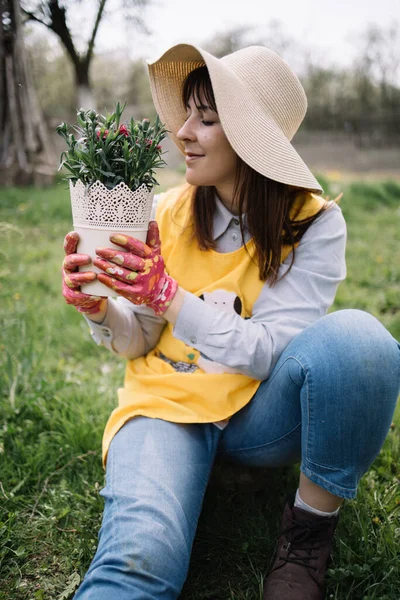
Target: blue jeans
x,y
328,403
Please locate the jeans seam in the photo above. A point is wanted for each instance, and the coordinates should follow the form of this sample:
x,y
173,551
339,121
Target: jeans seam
x,y
306,383
264,445
315,464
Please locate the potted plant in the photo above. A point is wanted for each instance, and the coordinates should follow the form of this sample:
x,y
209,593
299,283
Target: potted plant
x,y
111,169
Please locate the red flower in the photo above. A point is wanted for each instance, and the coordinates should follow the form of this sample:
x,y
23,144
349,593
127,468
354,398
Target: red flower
x,y
123,130
159,147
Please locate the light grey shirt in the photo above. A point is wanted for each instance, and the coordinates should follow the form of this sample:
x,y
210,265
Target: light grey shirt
x,y
249,346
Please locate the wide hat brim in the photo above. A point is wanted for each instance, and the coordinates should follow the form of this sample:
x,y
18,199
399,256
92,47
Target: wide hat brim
x,y
251,131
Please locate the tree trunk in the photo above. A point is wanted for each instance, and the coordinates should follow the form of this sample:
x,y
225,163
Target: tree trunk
x,y
24,144
84,93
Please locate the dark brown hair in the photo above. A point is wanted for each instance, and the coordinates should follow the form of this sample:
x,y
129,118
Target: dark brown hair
x,y
268,202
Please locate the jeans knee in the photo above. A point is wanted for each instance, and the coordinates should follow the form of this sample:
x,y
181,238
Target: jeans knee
x,y
356,337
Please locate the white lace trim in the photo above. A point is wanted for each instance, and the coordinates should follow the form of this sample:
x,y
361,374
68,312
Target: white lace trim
x,y
119,208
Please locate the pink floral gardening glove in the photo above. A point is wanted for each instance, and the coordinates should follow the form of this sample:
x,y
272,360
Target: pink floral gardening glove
x,y
139,273
71,280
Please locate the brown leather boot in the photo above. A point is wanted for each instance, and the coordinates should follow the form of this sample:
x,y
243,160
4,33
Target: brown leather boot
x,y
302,555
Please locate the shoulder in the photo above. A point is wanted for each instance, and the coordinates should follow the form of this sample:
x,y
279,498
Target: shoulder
x,y
322,248
329,223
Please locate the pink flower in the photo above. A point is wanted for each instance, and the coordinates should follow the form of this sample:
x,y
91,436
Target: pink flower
x,y
105,133
159,147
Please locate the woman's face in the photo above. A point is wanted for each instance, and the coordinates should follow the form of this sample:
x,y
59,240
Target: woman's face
x,y
210,159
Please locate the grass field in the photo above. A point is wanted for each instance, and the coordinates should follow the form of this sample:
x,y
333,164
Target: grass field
x,y
57,389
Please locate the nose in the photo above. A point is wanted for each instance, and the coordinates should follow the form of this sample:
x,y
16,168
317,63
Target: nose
x,y
186,132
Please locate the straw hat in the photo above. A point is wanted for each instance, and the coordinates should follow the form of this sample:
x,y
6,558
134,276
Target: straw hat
x,y
260,102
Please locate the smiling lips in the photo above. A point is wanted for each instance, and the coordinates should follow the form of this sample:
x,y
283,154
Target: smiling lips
x,y
190,156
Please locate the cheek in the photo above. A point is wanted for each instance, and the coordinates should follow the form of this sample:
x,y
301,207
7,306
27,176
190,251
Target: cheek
x,y
219,163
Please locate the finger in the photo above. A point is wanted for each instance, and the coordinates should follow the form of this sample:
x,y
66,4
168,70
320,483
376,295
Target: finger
x,y
97,306
126,259
131,244
75,280
115,270
124,289
78,298
72,261
153,237
71,242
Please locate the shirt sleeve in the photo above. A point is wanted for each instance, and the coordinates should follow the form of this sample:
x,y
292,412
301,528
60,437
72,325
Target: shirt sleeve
x,y
253,346
128,330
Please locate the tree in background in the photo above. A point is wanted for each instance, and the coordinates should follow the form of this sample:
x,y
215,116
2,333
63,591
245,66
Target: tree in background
x,y
377,76
24,145
56,15
115,77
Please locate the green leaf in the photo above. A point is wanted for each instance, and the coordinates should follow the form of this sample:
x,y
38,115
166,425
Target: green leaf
x,y
20,551
73,582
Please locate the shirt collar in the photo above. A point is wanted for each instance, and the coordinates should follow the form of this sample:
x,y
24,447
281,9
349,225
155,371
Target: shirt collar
x,y
223,218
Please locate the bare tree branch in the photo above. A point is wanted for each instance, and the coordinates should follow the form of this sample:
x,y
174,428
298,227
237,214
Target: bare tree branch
x,y
89,52
31,17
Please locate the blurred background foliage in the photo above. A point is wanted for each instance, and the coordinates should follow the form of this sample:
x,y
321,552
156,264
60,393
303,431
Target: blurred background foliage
x,y
364,96
52,44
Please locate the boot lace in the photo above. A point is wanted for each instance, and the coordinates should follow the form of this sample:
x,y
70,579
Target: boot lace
x,y
304,541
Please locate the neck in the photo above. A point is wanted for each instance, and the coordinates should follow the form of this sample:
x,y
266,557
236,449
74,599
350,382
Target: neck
x,y
225,194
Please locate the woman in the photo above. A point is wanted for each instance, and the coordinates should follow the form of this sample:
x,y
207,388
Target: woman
x,y
225,328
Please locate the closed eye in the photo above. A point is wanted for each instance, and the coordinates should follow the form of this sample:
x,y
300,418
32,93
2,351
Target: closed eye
x,y
206,123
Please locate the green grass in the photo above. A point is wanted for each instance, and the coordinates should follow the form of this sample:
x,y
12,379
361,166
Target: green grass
x,y
57,389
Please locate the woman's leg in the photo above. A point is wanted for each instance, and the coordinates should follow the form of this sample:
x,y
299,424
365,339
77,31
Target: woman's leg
x,y
156,476
329,402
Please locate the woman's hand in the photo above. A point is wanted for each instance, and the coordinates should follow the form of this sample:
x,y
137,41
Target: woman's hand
x,y
139,273
72,280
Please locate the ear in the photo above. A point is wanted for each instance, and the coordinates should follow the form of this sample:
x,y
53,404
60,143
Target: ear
x,y
153,237
237,305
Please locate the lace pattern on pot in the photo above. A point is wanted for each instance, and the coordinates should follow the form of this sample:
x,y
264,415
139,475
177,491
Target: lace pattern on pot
x,y
119,208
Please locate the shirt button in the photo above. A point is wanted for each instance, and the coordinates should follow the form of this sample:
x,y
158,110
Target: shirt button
x,y
193,340
236,221
234,237
106,332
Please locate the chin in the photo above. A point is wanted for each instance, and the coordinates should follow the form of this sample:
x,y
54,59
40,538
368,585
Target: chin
x,y
192,179
196,179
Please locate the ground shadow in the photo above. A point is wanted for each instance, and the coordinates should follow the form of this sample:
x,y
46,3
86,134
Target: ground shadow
x,y
237,531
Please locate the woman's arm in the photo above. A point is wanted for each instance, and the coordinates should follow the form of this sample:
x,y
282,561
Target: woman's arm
x,y
253,346
127,330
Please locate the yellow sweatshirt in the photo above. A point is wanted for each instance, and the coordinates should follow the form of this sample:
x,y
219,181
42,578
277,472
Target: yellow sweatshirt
x,y
152,386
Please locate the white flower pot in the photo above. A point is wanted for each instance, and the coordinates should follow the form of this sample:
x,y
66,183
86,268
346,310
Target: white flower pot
x,y
98,213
